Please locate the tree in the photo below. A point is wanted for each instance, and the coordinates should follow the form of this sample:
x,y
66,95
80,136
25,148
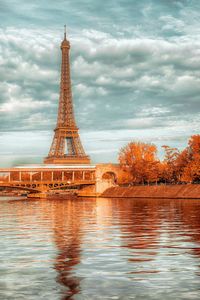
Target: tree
x,y
170,163
185,165
139,160
181,163
140,164
191,171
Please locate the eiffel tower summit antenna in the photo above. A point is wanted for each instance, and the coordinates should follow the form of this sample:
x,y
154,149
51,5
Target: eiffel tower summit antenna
x,y
65,32
66,147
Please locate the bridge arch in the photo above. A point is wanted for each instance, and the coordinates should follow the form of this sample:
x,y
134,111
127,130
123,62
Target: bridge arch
x,y
106,176
109,175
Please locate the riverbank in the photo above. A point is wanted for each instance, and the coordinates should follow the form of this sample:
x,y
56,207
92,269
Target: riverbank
x,y
189,191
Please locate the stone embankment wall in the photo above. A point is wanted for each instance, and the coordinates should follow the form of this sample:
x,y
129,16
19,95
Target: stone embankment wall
x,y
189,191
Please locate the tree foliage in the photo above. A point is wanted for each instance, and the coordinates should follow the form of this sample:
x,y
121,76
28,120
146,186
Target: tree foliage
x,y
140,160
140,163
191,172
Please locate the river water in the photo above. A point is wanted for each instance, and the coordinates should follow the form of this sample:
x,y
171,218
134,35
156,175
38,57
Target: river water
x,y
99,249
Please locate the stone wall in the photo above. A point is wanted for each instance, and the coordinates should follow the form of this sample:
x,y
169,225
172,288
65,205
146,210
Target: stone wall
x,y
188,191
102,184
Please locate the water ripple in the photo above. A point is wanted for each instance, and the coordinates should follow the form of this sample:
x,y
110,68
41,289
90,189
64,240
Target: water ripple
x,y
100,249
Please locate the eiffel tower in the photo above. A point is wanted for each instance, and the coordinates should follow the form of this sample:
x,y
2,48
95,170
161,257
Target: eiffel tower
x,y
66,147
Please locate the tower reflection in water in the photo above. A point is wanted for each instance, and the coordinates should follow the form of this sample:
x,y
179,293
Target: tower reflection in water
x,y
68,232
67,238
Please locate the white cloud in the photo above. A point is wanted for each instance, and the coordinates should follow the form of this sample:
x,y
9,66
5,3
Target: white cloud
x,y
17,101
86,91
102,80
14,105
172,24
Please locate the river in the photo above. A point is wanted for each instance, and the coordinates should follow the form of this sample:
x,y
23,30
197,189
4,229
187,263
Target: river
x,y
99,249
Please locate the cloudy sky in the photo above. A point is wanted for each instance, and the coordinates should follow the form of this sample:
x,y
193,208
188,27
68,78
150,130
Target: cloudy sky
x,y
135,74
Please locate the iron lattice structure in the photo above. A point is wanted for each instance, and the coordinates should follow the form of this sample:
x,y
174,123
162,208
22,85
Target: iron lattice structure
x,y
66,147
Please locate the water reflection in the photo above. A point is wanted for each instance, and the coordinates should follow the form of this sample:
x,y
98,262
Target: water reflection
x,y
140,231
67,237
68,228
100,249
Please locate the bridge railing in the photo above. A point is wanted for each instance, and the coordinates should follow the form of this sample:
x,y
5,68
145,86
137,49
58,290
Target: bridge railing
x,y
46,176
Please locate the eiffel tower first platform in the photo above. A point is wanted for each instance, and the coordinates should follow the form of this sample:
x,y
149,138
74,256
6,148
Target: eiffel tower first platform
x,y
66,147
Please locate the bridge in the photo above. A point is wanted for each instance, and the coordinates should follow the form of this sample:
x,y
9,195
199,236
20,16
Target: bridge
x,y
40,180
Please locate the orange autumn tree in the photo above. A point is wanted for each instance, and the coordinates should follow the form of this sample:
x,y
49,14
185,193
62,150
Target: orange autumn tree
x,y
139,160
182,166
181,163
191,172
170,164
140,164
